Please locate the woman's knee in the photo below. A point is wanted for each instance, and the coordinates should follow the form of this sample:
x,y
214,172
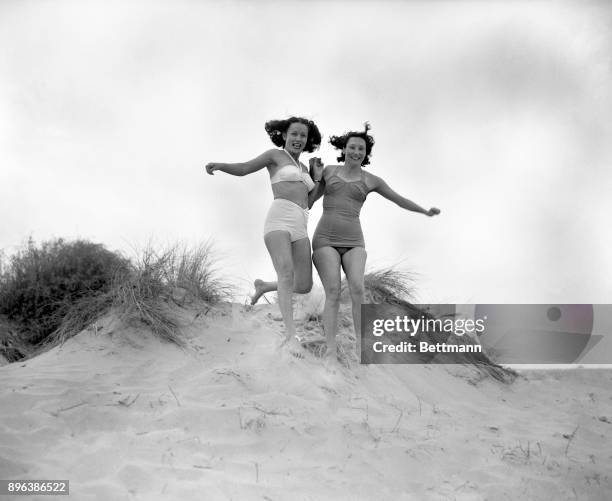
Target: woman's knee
x,y
304,286
357,291
284,272
332,294
303,280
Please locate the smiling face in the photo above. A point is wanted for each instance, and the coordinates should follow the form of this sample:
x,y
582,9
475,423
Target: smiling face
x,y
354,151
296,137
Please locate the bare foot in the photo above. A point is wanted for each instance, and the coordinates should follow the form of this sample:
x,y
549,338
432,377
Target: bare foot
x,y
293,345
331,363
315,345
330,358
259,291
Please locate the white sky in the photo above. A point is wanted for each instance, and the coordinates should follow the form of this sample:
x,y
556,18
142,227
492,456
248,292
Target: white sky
x,y
499,113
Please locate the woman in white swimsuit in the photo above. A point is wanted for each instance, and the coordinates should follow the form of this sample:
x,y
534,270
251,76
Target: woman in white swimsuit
x,y
285,228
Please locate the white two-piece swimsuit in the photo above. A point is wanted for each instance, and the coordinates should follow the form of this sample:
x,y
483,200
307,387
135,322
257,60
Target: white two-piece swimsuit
x,y
285,215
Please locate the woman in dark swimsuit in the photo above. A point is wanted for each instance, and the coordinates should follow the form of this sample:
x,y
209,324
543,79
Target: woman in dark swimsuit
x,y
338,240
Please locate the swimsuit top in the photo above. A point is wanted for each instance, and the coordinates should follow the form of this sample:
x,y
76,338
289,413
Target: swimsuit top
x,y
292,172
345,198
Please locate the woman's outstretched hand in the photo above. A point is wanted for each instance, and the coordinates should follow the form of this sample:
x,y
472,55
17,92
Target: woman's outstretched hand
x,y
434,211
316,168
211,167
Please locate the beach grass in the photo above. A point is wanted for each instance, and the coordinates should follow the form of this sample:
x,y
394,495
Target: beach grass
x,y
52,291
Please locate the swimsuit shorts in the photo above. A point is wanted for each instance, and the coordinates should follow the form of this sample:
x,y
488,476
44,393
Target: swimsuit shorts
x,y
285,215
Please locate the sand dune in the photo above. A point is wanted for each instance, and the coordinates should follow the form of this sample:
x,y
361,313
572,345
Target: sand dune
x,y
124,416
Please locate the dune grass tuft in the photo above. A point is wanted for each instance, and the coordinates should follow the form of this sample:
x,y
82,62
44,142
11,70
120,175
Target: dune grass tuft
x,y
12,346
144,290
69,285
389,285
39,284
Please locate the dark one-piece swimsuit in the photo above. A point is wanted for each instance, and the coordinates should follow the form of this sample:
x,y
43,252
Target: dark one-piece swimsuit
x,y
339,226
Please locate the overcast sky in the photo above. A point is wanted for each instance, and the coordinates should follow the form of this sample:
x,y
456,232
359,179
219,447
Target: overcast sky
x,y
498,113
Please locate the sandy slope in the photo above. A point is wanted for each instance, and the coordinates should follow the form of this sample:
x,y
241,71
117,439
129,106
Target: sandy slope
x,y
126,417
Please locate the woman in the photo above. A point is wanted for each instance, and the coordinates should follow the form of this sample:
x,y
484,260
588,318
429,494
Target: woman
x,y
338,240
285,233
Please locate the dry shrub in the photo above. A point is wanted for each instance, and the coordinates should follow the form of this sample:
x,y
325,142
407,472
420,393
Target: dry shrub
x,y
142,292
12,346
54,291
39,284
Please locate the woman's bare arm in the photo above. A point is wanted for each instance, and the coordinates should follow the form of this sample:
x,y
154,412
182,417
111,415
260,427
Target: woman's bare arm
x,y
383,189
317,172
242,169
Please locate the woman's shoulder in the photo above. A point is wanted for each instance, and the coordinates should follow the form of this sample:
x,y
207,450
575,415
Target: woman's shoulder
x,y
372,181
275,152
275,156
329,170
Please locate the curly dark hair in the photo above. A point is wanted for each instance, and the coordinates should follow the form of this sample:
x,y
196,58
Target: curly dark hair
x,y
339,142
276,128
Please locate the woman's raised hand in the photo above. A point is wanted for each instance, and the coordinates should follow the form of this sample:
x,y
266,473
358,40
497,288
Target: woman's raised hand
x,y
211,167
316,168
434,211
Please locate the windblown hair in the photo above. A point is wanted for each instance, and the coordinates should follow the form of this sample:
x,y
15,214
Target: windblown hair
x,y
276,128
339,142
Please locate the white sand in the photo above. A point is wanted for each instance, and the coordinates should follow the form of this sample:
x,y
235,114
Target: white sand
x,y
124,416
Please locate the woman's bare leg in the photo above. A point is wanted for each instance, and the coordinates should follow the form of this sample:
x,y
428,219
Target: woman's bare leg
x,y
353,263
327,262
282,252
261,288
278,244
302,272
